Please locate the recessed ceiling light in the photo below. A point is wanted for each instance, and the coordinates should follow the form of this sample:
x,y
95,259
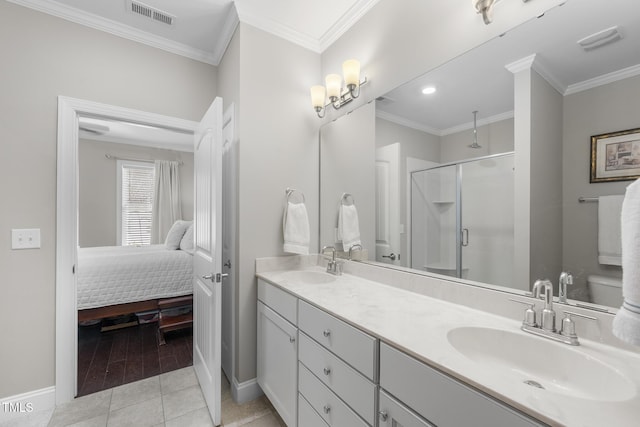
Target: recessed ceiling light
x,y
429,90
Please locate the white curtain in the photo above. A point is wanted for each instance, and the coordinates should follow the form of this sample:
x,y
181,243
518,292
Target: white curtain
x,y
167,206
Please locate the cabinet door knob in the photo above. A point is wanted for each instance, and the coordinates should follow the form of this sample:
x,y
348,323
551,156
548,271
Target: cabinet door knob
x,y
383,415
326,409
326,333
327,371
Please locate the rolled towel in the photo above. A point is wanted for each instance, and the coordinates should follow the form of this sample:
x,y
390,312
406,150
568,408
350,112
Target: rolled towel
x,y
626,324
295,225
609,235
348,226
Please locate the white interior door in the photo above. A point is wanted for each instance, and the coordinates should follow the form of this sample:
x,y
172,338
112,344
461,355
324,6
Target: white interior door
x,y
388,227
207,257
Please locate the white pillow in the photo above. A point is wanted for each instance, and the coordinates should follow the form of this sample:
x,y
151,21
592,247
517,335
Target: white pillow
x,y
174,236
186,244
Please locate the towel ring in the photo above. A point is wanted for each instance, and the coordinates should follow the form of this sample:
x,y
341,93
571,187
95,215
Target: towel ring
x,y
291,191
347,200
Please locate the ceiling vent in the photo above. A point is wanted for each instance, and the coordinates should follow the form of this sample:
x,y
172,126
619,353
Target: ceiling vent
x,y
150,12
601,38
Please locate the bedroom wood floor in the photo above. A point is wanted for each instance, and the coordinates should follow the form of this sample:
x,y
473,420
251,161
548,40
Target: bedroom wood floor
x,y
117,357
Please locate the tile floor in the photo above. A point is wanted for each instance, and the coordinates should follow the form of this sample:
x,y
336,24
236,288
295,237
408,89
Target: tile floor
x,y
110,359
172,399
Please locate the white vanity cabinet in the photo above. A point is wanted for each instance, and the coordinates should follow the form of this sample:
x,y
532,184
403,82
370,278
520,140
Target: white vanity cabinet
x,y
277,350
393,414
439,398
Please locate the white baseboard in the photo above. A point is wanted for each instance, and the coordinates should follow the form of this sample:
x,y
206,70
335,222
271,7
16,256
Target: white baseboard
x,y
22,405
245,391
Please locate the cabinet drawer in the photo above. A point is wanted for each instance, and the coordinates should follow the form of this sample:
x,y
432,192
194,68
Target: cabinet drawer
x,y
307,416
351,345
438,397
332,410
393,413
351,386
281,302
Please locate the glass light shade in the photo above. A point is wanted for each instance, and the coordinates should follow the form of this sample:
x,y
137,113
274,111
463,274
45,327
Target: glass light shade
x,y
334,85
317,96
351,71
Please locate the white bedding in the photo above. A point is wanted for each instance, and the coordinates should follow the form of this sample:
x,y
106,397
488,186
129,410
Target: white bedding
x,y
120,274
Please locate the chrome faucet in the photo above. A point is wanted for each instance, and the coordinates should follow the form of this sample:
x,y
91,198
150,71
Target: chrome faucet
x,y
548,321
333,266
566,278
547,326
357,245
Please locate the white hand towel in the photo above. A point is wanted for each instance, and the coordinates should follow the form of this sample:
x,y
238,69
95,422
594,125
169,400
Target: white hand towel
x,y
295,224
609,237
348,227
626,324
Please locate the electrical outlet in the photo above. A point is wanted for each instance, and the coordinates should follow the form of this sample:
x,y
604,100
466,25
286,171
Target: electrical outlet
x,y
25,238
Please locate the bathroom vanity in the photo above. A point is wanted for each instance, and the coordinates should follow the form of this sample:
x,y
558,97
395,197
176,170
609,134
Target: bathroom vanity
x,y
350,351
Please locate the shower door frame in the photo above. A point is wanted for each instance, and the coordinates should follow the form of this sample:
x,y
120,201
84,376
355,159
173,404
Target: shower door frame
x,y
459,178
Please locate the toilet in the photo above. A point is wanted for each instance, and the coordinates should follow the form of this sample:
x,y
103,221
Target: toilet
x,y
605,290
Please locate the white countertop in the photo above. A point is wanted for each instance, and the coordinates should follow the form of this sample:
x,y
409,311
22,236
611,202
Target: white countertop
x,y
418,325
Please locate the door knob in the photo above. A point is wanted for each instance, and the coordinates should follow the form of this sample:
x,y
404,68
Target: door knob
x,y
208,276
391,256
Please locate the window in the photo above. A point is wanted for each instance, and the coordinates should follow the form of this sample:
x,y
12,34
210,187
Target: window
x,y
135,202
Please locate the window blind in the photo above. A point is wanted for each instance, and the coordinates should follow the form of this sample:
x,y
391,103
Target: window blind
x,y
137,203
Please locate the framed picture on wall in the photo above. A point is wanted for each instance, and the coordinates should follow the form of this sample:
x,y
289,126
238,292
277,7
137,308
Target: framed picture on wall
x,y
615,156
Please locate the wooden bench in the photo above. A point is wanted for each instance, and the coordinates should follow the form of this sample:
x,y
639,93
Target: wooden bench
x,y
173,323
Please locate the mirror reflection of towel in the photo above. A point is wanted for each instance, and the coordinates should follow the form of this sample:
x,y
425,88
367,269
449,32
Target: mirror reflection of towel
x,y
626,324
609,237
295,224
348,227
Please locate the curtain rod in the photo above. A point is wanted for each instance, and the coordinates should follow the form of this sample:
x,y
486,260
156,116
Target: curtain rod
x,y
131,159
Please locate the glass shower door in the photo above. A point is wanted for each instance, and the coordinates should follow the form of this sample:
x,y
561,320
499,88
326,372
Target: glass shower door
x,y
434,220
487,226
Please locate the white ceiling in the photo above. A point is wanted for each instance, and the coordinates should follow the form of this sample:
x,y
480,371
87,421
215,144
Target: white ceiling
x,y
478,80
203,28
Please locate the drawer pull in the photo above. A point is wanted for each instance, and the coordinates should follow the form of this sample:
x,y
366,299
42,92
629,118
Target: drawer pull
x,y
327,371
326,333
292,339
383,415
326,409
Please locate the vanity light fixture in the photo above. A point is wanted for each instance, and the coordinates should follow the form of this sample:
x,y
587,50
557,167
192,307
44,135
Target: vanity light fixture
x,y
333,88
484,7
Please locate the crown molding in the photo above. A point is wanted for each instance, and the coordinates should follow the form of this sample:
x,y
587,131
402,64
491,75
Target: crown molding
x,y
112,27
229,28
615,76
549,77
346,21
277,29
408,123
482,122
521,64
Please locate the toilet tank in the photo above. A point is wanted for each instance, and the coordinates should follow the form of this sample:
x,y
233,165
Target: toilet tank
x,y
605,290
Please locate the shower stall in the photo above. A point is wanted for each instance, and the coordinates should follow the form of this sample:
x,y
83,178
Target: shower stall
x,y
462,219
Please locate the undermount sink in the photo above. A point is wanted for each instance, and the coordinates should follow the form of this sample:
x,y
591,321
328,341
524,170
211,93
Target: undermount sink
x,y
308,276
541,363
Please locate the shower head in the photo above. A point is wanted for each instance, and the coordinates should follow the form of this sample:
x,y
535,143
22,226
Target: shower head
x,y
475,144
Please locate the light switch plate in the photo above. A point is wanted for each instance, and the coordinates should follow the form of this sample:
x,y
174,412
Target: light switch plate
x,y
25,238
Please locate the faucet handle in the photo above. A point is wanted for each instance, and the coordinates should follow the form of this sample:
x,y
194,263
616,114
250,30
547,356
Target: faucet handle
x,y
529,313
568,326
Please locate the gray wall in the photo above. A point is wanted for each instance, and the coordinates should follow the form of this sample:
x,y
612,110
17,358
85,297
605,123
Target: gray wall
x,y
98,187
44,57
493,138
609,108
278,148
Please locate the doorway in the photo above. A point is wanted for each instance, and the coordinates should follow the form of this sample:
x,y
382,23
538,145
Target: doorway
x,y
69,112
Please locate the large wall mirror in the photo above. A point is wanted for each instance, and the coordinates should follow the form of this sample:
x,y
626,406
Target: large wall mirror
x,y
477,172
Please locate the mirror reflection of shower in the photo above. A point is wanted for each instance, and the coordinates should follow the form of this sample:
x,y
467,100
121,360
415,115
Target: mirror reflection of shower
x,y
462,219
475,144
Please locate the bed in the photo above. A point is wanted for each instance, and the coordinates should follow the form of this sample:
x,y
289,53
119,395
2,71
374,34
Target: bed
x,y
115,280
